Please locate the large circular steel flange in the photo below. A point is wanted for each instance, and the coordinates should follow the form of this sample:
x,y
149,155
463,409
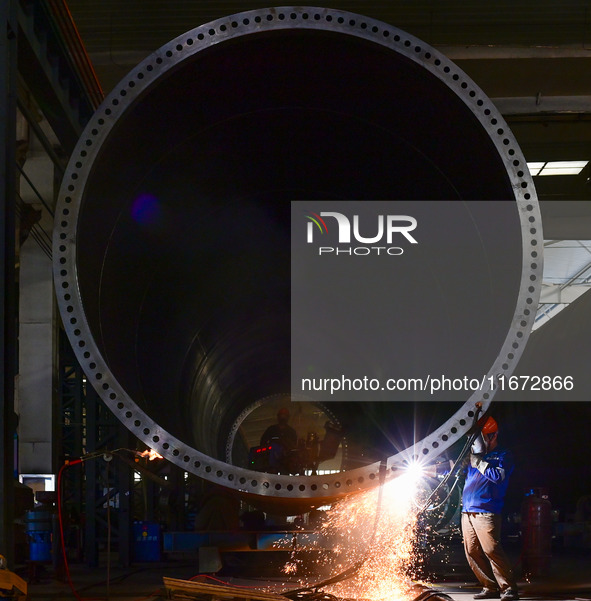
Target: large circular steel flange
x,y
190,110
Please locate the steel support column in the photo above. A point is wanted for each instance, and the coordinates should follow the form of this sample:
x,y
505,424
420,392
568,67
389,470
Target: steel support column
x,y
72,420
125,487
109,485
91,492
177,509
8,49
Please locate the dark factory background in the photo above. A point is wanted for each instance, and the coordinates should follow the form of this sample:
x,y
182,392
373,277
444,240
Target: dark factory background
x,y
59,60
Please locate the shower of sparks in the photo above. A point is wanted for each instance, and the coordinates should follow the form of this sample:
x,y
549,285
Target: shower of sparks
x,y
386,543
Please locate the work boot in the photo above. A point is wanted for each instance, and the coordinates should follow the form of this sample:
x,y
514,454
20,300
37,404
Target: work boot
x,y
510,594
488,593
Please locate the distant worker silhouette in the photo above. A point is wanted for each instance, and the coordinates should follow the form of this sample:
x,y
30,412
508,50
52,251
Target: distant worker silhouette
x,y
282,439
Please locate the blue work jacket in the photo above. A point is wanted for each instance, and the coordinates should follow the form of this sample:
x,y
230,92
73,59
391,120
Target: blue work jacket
x,y
484,490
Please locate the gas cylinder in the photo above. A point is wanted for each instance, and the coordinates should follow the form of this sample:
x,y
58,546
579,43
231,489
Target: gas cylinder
x,y
536,533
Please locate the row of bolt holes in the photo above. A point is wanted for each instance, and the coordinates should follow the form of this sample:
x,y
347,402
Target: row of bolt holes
x,y
258,19
289,487
532,277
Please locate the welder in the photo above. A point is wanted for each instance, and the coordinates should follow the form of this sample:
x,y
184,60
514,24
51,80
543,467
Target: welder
x,y
487,479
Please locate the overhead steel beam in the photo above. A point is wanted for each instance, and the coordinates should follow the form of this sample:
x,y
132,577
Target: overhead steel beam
x,y
543,105
130,57
498,51
40,134
560,294
47,64
44,80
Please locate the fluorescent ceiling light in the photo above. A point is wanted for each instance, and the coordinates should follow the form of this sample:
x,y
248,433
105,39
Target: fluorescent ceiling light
x,y
560,171
557,167
535,168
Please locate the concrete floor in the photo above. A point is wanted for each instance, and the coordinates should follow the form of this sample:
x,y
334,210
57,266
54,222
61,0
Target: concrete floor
x,y
570,580
569,577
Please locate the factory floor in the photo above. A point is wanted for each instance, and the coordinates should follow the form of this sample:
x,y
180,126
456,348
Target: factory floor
x,y
568,580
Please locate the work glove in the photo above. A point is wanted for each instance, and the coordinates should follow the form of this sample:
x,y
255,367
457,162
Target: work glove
x,y
479,446
477,462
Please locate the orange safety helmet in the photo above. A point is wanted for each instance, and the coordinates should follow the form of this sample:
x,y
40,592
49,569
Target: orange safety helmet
x,y
283,414
490,426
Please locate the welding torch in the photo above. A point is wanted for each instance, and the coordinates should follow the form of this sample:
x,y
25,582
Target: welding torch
x,y
474,441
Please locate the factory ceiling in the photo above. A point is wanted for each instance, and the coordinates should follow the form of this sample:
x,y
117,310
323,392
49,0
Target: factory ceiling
x,y
142,25
532,58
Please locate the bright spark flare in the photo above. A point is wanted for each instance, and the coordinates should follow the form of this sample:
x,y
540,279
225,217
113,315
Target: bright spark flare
x,y
151,454
391,558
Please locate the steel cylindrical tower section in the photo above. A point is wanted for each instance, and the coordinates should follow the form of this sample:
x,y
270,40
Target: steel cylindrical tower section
x,y
171,246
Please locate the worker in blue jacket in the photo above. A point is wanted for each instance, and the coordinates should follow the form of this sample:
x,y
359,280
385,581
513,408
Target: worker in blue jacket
x,y
487,479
